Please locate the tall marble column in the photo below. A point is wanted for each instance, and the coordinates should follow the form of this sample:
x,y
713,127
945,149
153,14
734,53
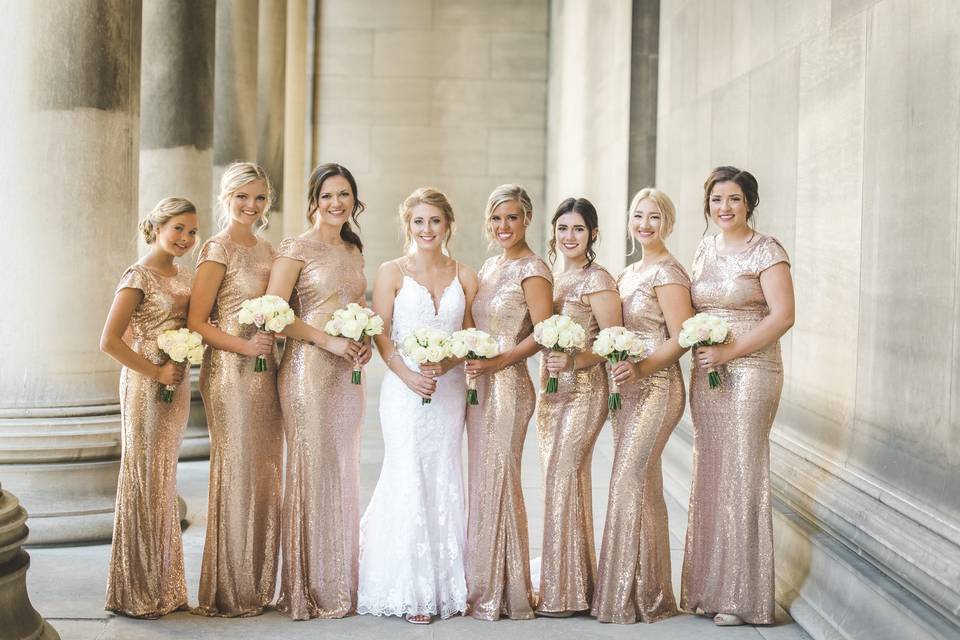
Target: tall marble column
x,y
176,134
271,81
69,157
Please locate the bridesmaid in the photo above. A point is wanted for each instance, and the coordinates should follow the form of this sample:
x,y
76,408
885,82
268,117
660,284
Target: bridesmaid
x,y
634,581
321,271
145,577
743,277
514,293
569,420
238,574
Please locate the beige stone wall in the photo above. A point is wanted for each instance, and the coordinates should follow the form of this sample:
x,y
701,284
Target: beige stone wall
x,y
847,114
450,94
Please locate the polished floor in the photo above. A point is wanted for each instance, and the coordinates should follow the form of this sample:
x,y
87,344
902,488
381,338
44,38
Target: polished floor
x,y
66,584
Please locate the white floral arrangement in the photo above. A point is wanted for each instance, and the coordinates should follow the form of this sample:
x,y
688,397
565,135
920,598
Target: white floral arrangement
x,y
473,344
704,330
559,333
425,345
616,344
267,313
354,322
180,345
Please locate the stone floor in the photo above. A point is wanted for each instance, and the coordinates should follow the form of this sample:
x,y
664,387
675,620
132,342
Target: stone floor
x,y
66,584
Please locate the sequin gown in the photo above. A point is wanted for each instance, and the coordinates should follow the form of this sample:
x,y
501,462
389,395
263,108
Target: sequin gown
x,y
634,575
238,573
728,562
568,423
145,577
498,556
322,418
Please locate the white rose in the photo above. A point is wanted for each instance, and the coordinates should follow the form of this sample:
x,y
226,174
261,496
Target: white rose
x,y
435,353
548,336
178,352
374,326
418,354
246,316
275,324
459,349
194,339
195,355
352,329
333,327
622,342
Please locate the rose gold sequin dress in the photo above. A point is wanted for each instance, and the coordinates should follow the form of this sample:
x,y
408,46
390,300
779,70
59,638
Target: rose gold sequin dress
x,y
728,563
322,418
238,575
568,423
634,580
498,555
145,578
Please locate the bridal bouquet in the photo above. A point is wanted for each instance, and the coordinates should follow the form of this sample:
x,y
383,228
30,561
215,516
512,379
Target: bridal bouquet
x,y
426,345
616,344
354,322
473,344
180,345
267,313
704,330
559,333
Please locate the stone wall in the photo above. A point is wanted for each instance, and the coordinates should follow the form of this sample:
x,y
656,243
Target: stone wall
x,y
847,114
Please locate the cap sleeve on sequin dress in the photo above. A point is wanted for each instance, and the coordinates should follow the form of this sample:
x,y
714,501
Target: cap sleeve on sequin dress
x,y
536,268
213,251
769,253
291,248
134,278
598,279
671,272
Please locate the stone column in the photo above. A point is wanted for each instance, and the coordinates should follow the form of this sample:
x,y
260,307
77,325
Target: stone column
x,y
271,66
18,619
176,134
69,158
235,86
297,146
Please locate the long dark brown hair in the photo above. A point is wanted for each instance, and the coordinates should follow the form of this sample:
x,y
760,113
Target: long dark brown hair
x,y
743,179
589,214
314,186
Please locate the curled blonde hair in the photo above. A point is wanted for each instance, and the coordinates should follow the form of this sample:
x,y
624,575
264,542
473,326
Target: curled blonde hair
x,y
667,210
433,197
161,213
507,193
234,178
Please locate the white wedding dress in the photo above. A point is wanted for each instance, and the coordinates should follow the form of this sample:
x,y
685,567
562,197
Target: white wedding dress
x,y
412,534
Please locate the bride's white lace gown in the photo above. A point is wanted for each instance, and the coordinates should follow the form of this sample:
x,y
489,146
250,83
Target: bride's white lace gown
x,y
412,534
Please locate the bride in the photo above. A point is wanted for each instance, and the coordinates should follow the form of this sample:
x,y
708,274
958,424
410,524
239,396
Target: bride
x,y
412,534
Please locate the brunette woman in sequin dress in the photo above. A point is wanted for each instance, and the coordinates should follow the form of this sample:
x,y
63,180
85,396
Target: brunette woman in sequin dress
x,y
145,577
569,420
320,271
238,574
515,292
634,581
743,277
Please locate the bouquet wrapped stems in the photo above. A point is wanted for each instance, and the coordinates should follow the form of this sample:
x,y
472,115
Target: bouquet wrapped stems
x,y
165,393
472,391
713,378
553,383
614,401
261,364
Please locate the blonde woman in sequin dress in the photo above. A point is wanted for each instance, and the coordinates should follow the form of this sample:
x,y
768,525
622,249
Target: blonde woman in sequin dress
x,y
515,292
412,533
145,577
321,271
238,574
743,277
569,420
634,581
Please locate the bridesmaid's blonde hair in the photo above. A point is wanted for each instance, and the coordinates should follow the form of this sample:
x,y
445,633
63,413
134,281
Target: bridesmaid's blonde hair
x,y
236,176
161,213
667,210
433,197
507,193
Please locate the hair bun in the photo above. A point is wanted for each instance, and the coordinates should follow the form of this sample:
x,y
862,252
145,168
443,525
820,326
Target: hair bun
x,y
146,228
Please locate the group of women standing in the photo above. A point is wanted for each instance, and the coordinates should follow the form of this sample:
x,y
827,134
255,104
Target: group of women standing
x,y
413,553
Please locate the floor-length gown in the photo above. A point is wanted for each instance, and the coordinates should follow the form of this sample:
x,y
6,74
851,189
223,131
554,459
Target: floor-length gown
x,y
145,577
412,534
498,555
728,562
634,581
568,423
238,574
322,419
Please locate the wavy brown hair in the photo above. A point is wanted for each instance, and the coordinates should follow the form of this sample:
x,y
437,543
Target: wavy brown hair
x,y
314,189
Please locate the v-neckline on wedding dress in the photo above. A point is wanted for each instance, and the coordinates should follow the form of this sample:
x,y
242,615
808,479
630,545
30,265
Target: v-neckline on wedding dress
x,y
436,302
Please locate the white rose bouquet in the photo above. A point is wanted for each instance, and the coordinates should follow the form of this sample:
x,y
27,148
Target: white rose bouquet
x,y
426,345
704,330
181,345
267,313
616,344
354,322
473,344
559,333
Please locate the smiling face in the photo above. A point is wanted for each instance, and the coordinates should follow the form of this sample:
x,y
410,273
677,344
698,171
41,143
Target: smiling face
x,y
335,202
177,235
572,236
248,202
428,227
507,224
728,206
646,223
